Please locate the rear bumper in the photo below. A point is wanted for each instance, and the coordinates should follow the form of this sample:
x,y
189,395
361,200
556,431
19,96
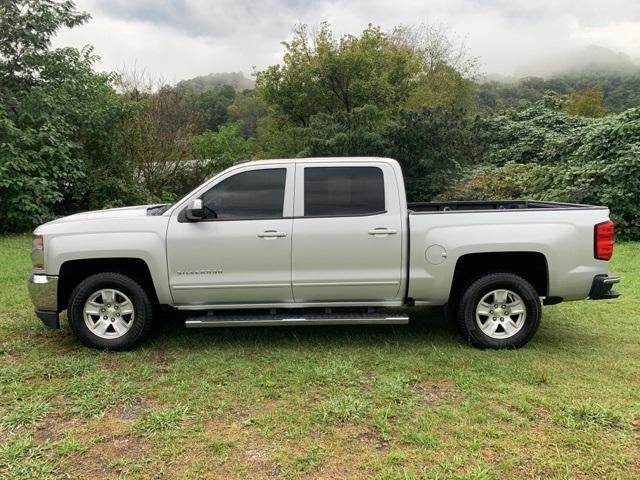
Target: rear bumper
x,y
601,287
43,290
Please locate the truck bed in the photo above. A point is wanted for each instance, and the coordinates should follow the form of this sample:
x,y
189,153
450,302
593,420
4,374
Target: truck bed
x,y
490,205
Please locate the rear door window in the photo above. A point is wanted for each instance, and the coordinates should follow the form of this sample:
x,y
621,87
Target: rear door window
x,y
343,191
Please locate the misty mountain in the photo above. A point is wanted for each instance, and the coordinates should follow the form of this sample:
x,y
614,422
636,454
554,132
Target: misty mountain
x,y
590,60
215,80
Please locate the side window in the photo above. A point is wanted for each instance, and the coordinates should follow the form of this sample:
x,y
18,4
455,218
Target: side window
x,y
337,191
246,195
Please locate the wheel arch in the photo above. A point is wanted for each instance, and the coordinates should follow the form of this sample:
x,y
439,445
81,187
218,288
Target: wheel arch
x,y
72,272
530,265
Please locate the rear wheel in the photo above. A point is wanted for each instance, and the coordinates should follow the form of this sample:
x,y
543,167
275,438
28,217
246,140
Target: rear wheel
x,y
110,311
499,310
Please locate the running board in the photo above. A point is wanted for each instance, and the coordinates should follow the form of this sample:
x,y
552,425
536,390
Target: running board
x,y
208,321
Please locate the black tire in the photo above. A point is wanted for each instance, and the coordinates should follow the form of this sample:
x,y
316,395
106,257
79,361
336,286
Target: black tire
x,y
142,321
474,293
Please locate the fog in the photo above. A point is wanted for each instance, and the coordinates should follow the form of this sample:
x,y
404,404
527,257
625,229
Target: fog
x,y
178,39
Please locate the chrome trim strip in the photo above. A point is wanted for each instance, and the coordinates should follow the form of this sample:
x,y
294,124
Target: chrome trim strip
x,y
343,284
295,321
230,285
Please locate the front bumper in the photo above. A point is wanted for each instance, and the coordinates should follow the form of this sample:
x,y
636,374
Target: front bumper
x,y
43,290
601,287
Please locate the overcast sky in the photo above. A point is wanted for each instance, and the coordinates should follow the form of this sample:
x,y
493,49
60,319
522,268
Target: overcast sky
x,y
178,39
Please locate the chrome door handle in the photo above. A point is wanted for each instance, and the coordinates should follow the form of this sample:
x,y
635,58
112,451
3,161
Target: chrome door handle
x,y
382,231
272,234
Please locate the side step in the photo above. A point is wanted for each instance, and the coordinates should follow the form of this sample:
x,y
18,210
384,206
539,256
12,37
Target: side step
x,y
204,321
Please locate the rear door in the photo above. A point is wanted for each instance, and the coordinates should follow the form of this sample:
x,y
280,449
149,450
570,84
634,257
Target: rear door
x,y
347,233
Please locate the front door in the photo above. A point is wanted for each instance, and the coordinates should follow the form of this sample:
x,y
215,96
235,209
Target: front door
x,y
347,233
241,252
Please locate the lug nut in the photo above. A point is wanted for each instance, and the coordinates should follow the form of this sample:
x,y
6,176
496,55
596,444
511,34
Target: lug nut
x,y
495,306
102,309
502,319
117,314
504,306
494,318
490,311
108,304
115,306
105,317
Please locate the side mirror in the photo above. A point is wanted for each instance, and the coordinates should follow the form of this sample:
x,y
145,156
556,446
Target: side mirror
x,y
195,210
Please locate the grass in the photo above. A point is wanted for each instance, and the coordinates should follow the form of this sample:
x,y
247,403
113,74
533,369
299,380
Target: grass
x,y
406,402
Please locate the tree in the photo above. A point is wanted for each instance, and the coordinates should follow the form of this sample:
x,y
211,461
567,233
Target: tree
x,y
434,47
155,142
322,74
248,109
431,144
26,29
214,104
586,103
443,87
222,148
55,138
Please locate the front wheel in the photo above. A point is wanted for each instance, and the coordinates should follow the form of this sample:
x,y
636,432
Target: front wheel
x,y
499,310
110,311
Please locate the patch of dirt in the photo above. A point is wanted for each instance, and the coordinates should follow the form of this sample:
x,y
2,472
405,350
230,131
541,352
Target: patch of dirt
x,y
130,412
163,358
435,394
256,454
51,428
370,437
636,423
101,460
348,453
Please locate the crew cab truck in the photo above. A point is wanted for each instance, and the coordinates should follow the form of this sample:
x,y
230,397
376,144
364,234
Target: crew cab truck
x,y
318,241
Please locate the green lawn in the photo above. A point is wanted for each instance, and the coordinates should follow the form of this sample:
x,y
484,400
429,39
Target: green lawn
x,y
324,402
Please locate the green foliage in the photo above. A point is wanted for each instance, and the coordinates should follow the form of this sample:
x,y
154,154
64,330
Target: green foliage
x,y
542,153
248,109
52,134
220,149
322,74
356,133
539,133
431,144
26,29
215,81
507,182
586,103
444,87
153,144
620,90
215,103
605,170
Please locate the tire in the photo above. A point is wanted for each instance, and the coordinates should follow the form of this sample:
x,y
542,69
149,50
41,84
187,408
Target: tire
x,y
117,308
499,310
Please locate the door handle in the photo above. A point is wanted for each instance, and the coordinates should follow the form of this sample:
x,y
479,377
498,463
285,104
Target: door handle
x,y
382,231
272,234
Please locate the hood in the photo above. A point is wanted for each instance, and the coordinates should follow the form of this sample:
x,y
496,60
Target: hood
x,y
123,212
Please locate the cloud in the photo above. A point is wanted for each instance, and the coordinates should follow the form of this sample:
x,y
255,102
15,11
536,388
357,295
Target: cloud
x,y
177,39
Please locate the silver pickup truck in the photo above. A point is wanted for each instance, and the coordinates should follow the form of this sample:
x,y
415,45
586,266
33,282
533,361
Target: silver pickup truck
x,y
317,241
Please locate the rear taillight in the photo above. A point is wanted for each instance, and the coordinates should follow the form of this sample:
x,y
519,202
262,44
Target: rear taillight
x,y
603,240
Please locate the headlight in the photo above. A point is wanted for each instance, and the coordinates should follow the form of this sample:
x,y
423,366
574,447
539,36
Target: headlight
x,y
37,252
